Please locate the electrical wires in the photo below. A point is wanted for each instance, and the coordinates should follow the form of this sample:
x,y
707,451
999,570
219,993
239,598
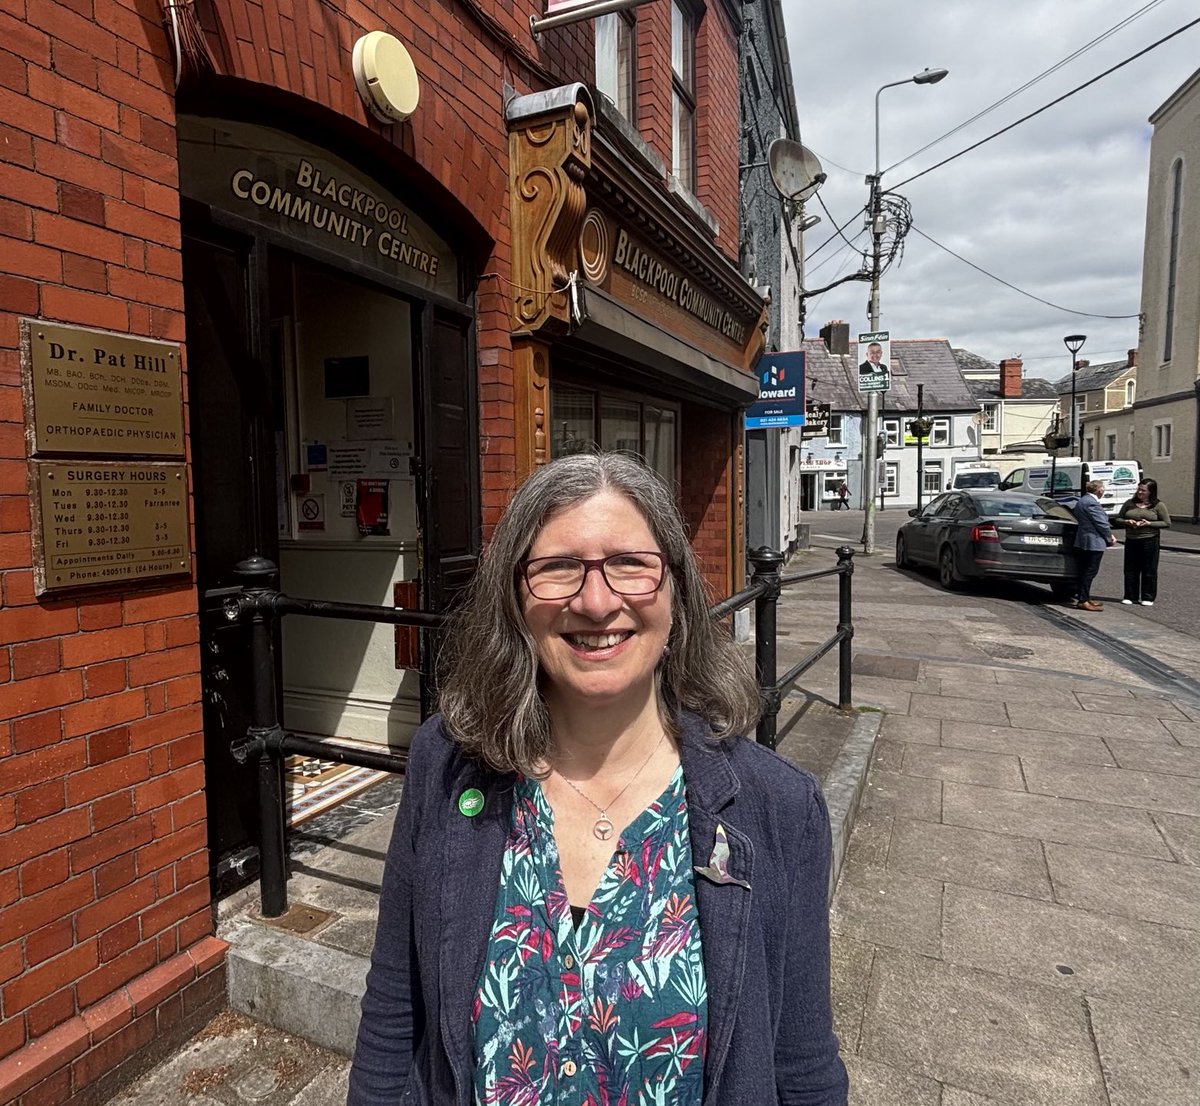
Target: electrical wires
x,y
1001,280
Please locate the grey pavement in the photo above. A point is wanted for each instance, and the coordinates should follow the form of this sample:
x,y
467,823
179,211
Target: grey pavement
x,y
1016,803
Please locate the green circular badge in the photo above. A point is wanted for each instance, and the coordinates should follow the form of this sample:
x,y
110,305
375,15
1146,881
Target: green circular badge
x,y
470,802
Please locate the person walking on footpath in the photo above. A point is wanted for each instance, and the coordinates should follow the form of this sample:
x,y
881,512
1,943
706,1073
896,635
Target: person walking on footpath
x,y
1092,536
1143,517
598,890
843,496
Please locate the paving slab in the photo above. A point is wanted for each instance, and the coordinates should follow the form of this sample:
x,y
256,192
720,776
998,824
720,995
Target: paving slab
x,y
1003,1038
1134,887
1148,756
871,839
233,1061
966,710
922,731
888,755
1143,790
1005,739
963,766
875,1084
850,974
1070,821
1076,950
1148,1057
1186,733
1182,835
903,796
1041,716
889,908
955,1096
977,674
1139,707
973,858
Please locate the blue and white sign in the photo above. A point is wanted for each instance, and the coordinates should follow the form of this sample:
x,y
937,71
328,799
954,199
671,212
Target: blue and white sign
x,y
780,392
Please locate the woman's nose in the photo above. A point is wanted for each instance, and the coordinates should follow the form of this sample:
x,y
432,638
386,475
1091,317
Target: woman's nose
x,y
595,599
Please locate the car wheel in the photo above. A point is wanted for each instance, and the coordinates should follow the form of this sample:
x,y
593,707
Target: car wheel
x,y
947,574
902,560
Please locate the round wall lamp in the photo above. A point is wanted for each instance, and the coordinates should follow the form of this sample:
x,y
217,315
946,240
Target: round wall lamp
x,y
386,77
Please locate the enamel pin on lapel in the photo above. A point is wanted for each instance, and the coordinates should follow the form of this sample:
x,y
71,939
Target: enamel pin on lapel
x,y
470,802
717,868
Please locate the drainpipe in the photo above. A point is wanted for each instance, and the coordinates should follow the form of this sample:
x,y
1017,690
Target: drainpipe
x,y
1196,464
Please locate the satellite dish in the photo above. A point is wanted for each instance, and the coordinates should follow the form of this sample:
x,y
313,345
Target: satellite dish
x,y
795,170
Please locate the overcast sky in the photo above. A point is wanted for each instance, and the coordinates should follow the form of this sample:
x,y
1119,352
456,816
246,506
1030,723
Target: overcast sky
x,y
1056,206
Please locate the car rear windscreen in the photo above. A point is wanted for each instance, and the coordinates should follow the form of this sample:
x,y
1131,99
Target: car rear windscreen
x,y
976,479
998,506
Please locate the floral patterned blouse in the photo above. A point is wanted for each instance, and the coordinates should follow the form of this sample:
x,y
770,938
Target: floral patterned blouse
x,y
614,1013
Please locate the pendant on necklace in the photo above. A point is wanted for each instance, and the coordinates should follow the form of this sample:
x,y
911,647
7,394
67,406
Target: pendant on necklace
x,y
603,829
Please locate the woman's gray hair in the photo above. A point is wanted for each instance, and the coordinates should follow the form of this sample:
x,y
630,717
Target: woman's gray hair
x,y
490,697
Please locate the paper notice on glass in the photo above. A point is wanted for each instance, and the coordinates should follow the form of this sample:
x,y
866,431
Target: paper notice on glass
x,y
349,461
389,461
369,418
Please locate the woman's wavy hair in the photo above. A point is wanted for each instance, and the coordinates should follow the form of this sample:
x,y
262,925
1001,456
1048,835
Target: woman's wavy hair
x,y
1151,487
490,696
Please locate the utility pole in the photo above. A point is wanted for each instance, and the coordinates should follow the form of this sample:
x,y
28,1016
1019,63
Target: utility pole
x,y
920,442
878,226
871,436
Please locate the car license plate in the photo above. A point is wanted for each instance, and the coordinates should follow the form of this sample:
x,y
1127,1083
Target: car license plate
x,y
1040,539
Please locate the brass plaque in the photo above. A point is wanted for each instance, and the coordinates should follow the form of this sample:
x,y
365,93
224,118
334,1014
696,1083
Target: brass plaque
x,y
96,392
96,522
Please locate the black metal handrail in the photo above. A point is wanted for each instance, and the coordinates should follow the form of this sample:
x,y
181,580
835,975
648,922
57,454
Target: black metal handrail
x,y
268,743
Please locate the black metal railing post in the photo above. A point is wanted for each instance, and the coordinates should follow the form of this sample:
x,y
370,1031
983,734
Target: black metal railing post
x,y
767,563
266,735
845,626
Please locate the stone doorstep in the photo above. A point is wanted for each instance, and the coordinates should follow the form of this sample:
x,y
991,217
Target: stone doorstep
x,y
299,985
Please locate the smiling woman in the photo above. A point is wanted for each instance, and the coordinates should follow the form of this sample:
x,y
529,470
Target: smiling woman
x,y
591,934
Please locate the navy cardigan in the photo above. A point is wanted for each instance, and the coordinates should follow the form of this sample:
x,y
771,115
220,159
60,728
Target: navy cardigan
x,y
766,946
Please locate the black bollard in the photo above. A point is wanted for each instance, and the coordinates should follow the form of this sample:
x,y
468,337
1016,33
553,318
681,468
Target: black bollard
x,y
265,733
845,628
767,563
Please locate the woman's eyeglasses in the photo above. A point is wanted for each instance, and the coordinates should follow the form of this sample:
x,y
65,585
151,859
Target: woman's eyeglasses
x,y
637,573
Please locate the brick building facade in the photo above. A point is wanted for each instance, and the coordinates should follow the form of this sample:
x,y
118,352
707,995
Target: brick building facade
x,y
473,343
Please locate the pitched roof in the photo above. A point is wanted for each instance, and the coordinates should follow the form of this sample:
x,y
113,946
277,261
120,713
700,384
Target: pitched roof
x,y
928,361
1031,388
972,363
1091,377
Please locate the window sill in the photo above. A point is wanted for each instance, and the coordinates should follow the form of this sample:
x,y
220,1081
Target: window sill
x,y
616,124
691,206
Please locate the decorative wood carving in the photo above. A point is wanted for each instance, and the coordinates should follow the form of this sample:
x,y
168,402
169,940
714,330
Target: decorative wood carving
x,y
549,153
531,394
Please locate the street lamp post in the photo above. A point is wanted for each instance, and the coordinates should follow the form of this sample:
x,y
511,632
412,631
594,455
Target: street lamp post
x,y
1074,343
878,226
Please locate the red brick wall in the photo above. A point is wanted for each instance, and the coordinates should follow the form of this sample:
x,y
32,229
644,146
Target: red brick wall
x,y
717,137
103,866
707,492
716,107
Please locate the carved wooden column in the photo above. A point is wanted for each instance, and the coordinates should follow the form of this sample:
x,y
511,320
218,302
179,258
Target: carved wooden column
x,y
549,145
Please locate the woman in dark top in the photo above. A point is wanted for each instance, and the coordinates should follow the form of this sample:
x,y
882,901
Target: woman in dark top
x,y
1143,517
597,891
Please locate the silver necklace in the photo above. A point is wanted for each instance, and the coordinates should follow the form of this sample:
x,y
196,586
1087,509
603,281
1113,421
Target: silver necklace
x,y
603,827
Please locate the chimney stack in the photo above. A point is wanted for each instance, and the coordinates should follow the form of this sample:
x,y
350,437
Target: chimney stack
x,y
836,336
1132,359
1082,364
1010,378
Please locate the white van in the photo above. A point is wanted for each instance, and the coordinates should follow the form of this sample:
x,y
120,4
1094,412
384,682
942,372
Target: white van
x,y
977,478
1120,479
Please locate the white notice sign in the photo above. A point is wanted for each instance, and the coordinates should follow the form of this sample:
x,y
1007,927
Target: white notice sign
x,y
349,461
369,418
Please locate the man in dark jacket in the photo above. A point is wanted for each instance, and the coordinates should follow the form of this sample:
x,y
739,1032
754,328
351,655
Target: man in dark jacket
x,y
1092,536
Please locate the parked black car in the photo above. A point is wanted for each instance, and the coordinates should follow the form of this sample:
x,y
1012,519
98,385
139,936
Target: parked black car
x,y
974,535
